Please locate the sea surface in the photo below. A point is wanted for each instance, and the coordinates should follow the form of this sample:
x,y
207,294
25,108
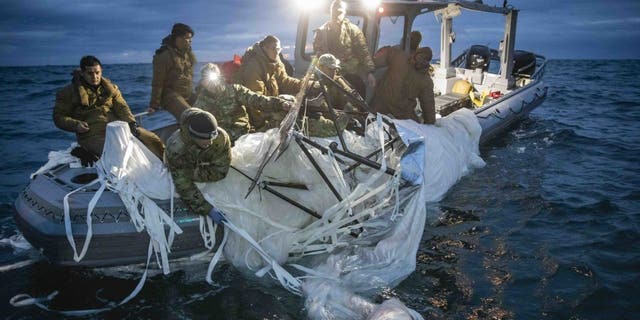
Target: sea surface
x,y
549,229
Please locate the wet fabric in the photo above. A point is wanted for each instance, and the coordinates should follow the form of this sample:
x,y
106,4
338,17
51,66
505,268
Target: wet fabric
x,y
391,218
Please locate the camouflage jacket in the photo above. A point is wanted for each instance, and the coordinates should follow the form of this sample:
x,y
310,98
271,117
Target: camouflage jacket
x,y
339,99
189,163
347,43
229,107
319,117
98,106
172,70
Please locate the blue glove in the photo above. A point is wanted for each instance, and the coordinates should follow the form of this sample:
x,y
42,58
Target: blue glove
x,y
217,216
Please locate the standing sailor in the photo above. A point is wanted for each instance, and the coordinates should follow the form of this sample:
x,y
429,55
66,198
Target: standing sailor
x,y
406,80
346,42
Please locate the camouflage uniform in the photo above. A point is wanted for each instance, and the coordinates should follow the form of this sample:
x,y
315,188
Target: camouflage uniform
x,y
98,106
347,43
268,77
229,107
189,163
400,85
318,113
172,82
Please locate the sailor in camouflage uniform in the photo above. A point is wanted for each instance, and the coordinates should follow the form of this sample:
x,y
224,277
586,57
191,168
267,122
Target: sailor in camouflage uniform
x,y
319,116
229,102
88,103
346,42
199,151
172,83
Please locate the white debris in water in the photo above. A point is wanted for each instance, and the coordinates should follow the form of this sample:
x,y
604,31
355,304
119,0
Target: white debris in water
x,y
17,241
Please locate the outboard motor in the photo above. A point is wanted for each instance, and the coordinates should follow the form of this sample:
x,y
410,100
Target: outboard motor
x,y
524,63
478,56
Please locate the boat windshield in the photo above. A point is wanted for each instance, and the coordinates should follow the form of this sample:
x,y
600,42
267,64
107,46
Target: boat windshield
x,y
391,31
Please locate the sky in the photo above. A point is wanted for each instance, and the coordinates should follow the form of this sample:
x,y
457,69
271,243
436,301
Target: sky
x,y
59,32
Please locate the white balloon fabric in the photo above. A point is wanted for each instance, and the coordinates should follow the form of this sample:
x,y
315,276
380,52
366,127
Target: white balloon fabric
x,y
391,219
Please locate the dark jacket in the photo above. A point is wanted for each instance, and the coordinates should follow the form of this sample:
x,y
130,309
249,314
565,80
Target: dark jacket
x,y
267,77
98,106
172,70
399,87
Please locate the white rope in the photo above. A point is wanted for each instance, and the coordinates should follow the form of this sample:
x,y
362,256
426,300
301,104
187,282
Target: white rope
x,y
208,232
216,257
288,281
67,219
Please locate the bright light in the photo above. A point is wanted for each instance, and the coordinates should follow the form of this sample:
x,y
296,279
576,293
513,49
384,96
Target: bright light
x,y
309,5
380,9
213,77
371,4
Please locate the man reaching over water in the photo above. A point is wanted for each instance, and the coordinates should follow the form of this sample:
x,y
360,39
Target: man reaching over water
x,y
199,151
88,103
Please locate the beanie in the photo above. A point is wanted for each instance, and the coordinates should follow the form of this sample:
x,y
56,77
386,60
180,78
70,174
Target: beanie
x,y
203,125
180,29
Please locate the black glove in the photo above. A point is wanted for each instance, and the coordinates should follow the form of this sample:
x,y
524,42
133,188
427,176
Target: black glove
x,y
87,158
133,126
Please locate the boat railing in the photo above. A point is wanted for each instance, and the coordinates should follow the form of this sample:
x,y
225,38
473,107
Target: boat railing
x,y
140,116
541,65
457,62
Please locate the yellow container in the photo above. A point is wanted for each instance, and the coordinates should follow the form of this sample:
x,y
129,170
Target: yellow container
x,y
462,87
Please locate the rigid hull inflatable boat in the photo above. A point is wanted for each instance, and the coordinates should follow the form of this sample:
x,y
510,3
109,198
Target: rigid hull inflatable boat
x,y
513,89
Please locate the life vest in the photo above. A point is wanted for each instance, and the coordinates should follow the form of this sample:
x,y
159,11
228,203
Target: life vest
x,y
229,68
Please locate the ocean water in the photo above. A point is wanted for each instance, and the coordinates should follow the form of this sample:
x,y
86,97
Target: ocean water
x,y
549,229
